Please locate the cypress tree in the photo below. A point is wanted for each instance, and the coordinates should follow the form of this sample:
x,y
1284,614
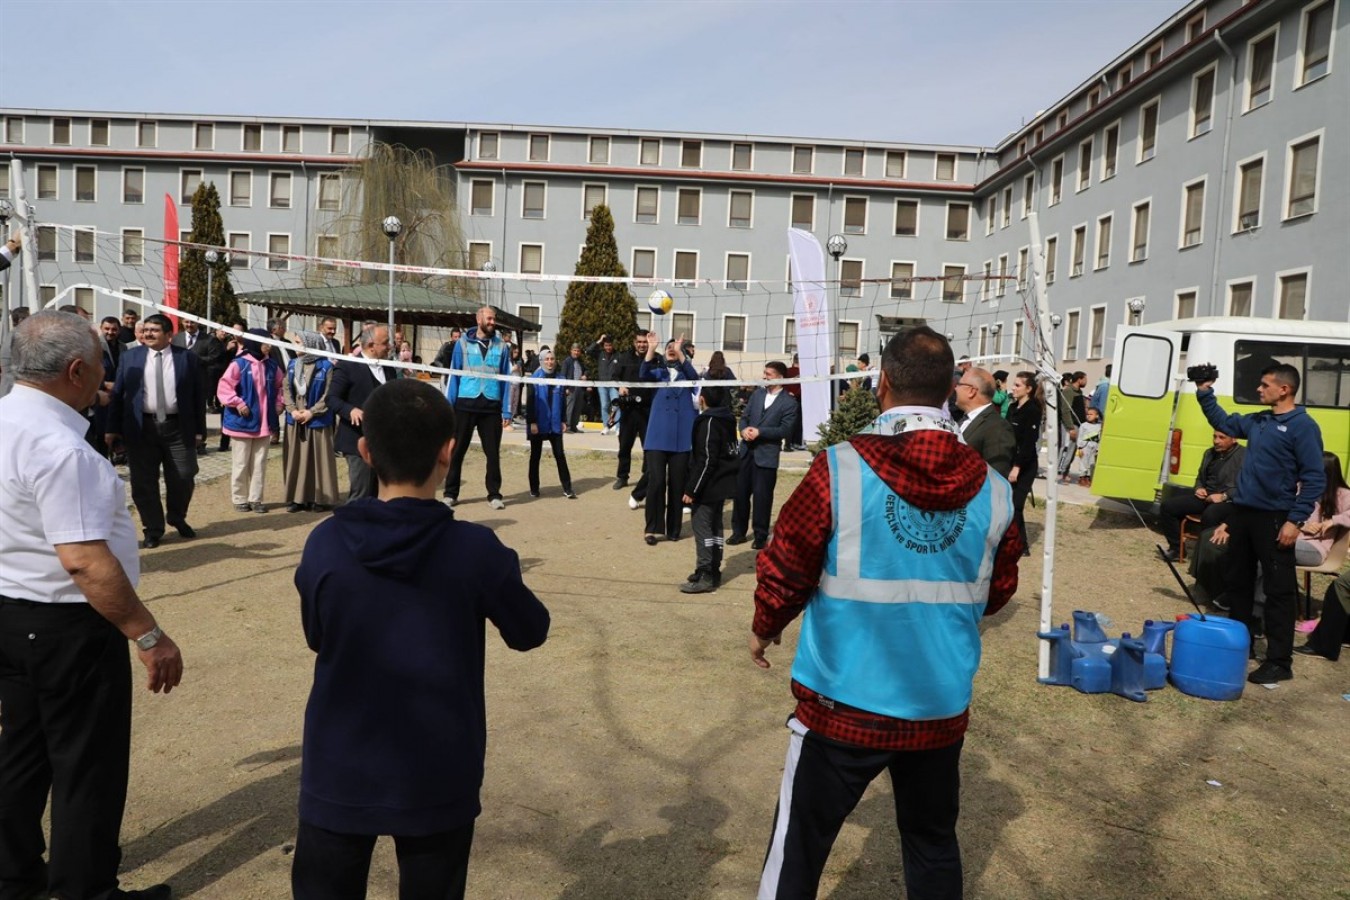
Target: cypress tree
x,y
592,308
855,410
207,228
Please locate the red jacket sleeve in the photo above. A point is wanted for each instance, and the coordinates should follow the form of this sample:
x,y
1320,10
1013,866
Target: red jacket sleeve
x,y
1003,584
788,569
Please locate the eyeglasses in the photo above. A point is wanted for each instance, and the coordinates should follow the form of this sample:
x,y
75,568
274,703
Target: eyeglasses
x,y
966,384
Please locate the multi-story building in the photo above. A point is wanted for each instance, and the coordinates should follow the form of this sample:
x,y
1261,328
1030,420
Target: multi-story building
x,y
1183,178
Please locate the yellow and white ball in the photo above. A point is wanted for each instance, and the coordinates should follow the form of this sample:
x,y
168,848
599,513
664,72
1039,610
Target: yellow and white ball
x,y
660,302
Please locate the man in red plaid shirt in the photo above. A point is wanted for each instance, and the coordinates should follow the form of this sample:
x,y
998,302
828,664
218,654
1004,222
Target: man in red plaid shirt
x,y
892,548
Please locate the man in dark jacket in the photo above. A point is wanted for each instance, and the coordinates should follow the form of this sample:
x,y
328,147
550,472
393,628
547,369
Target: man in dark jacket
x,y
606,365
1211,499
983,429
353,382
769,418
634,406
401,754
712,479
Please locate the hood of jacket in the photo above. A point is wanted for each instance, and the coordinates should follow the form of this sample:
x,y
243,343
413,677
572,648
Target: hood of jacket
x,y
929,467
398,538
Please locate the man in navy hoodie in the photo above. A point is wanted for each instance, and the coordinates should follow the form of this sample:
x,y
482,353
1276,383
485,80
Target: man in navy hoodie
x,y
395,727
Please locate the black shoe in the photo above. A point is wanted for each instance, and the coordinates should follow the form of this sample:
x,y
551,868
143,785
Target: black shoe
x,y
619,484
295,507
185,531
1308,650
736,539
700,585
1270,673
570,494
534,493
651,540
158,892
150,542
1172,555
1026,551
760,543
673,537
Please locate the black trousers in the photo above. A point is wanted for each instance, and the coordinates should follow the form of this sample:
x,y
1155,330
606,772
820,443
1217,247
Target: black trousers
x,y
163,445
1333,629
1026,478
488,424
822,783
1179,506
65,727
754,498
632,426
708,544
555,442
361,480
665,473
1251,540
329,865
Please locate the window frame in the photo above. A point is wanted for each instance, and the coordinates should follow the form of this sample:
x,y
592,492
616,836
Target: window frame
x,y
229,187
675,278
496,145
724,344
1250,282
524,194
895,222
852,290
1289,149
1084,179
632,259
947,232
326,177
1078,250
240,260
107,130
853,200
792,203
520,257
1110,153
750,149
1203,182
862,162
904,163
125,170
637,196
345,132
586,211
474,208
1073,327
530,139
274,178
70,131
1248,101
287,131
1050,255
1301,78
728,282
185,198
1237,226
697,193
1056,181
749,221
1194,292
203,128
55,171
1096,327
245,128
937,166
810,151
75,233
122,246
643,144
594,141
1280,279
1147,205
686,144
279,265
1097,264
908,288
89,169
961,298
1143,154
1193,122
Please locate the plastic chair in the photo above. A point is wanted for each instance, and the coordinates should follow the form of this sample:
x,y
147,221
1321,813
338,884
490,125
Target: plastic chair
x,y
1334,561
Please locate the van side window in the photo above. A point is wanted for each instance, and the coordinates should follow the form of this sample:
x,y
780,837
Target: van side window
x,y
1324,370
1146,365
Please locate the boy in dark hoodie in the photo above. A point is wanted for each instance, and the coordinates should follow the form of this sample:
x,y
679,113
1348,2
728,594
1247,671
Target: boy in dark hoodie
x,y
712,479
395,727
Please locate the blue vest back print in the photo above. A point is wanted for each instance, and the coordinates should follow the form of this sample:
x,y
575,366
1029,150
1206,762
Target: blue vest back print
x,y
248,392
318,382
893,627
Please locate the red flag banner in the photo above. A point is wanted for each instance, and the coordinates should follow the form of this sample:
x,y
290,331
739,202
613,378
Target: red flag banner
x,y
171,256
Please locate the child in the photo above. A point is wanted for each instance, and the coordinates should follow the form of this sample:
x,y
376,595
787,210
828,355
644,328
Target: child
x,y
394,596
1089,442
712,479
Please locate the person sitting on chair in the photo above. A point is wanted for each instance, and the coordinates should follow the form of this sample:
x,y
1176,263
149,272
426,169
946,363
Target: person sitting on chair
x,y
1214,484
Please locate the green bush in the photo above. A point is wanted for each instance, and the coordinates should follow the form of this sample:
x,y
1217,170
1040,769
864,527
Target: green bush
x,y
855,411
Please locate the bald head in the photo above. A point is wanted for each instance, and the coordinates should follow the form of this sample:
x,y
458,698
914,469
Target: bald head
x,y
974,389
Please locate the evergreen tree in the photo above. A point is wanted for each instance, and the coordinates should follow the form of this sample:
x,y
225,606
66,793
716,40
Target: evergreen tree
x,y
207,228
591,308
855,410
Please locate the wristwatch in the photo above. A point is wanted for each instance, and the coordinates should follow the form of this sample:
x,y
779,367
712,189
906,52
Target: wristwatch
x,y
148,640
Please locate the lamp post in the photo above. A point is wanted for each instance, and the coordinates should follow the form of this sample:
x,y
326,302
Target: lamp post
x,y
837,246
6,210
392,228
211,258
1136,310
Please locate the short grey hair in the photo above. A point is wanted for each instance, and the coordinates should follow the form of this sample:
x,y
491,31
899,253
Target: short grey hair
x,y
47,342
368,334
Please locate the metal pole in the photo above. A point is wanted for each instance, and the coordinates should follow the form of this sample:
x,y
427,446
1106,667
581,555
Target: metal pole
x,y
391,290
1045,363
209,273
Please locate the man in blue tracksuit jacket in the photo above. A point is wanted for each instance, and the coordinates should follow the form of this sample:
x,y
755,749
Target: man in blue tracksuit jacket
x,y
481,404
1282,476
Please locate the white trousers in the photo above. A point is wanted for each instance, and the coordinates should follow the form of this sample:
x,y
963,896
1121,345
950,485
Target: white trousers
x,y
248,468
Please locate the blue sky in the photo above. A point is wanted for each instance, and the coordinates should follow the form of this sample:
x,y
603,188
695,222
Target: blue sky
x,y
939,71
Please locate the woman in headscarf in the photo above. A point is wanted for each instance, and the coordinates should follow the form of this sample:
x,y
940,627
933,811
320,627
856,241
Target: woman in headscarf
x,y
311,467
249,392
545,421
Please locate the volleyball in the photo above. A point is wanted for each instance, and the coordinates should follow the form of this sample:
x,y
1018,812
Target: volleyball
x,y
660,302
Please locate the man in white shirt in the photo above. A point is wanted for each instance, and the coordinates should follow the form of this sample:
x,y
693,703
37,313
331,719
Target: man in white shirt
x,y
68,604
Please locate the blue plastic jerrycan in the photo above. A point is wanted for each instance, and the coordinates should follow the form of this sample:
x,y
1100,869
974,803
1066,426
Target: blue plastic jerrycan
x,y
1209,657
1127,669
1155,653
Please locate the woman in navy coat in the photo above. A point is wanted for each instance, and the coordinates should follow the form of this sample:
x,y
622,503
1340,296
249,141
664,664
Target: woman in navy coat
x,y
544,421
669,438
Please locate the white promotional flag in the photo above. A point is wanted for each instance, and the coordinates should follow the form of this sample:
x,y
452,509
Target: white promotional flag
x,y
811,311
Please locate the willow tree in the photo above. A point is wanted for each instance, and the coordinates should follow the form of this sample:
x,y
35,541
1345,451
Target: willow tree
x,y
207,228
595,308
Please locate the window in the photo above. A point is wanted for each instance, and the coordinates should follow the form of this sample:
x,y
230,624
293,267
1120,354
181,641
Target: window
x,y
686,265
1325,382
133,185
538,147
1240,298
990,213
530,312
1061,120
84,245
1038,136
733,333
326,247
1202,102
1096,332
691,154
902,281
1250,181
339,140
133,246
1085,164
1072,321
1185,303
853,161
649,152
1002,287
60,131
1124,76
599,151
803,159
1023,269
742,157
241,187
1314,46
1195,26
1051,255
944,167
850,277
1293,300
895,164
953,283
1110,148
239,242
1148,131
13,129
646,205
1305,163
1094,98
740,208
98,132
1007,206
688,203
203,136
738,271
855,215
1016,348
848,338
532,200
1139,231
47,183
251,140
330,190
958,221
290,138
46,293
86,184
279,190
1103,242
1193,214
644,263
1056,181
46,242
1079,240
1261,69
481,197
84,298
1153,56
593,195
479,253
531,259
804,211
188,182
906,218
986,286
487,144
1028,193
280,244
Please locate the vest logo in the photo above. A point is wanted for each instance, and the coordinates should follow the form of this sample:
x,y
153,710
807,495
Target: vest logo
x,y
924,531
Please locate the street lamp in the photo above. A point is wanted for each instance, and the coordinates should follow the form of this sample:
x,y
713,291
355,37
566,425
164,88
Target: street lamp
x,y
392,227
1056,320
837,246
211,257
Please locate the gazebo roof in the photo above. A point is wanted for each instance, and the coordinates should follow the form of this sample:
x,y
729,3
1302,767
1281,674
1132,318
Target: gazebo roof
x,y
413,305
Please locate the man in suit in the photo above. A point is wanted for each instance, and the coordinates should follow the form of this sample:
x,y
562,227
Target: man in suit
x,y
328,327
983,429
159,414
769,418
353,381
212,358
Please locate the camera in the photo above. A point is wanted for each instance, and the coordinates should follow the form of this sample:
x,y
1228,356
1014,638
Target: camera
x,y
1202,373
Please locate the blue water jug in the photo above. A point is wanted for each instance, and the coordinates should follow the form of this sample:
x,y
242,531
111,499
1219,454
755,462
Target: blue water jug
x,y
1127,669
1209,657
1155,653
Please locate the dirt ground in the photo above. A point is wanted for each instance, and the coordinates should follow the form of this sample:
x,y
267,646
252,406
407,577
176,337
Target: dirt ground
x,y
637,754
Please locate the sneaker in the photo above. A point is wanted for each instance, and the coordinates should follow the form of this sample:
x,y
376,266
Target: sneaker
x,y
688,511
451,502
242,507
570,495
534,493
1270,673
700,585
497,503
633,503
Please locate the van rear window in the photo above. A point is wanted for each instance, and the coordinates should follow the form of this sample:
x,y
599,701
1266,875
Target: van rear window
x,y
1323,368
1146,365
